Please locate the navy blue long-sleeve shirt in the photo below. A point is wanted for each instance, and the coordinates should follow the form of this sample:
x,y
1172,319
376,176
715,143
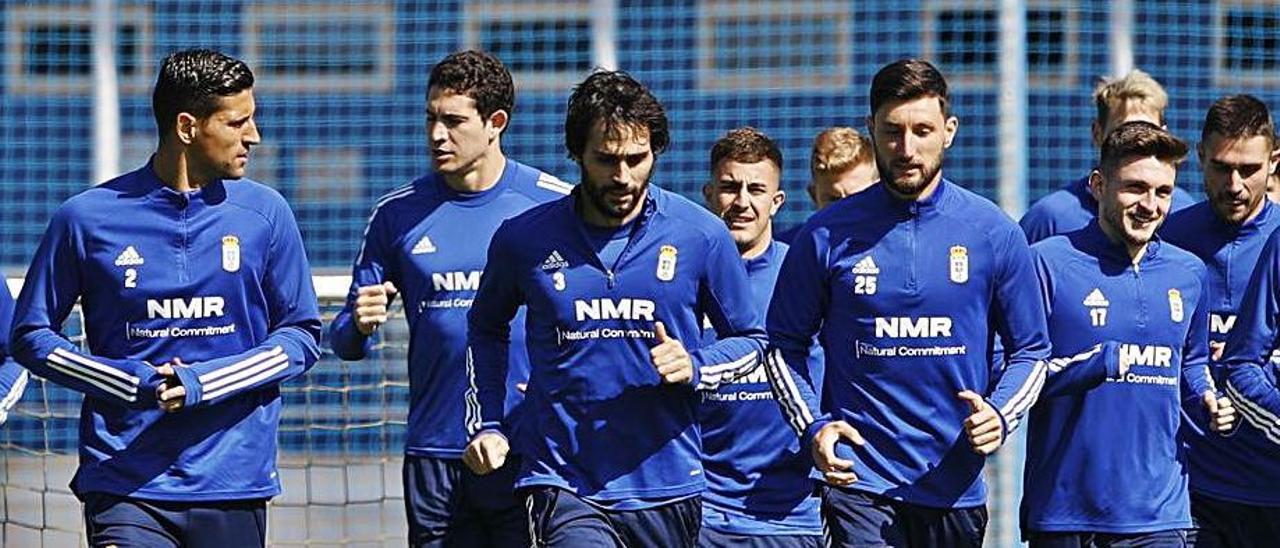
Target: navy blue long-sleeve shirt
x,y
216,277
430,241
906,298
598,420
1102,449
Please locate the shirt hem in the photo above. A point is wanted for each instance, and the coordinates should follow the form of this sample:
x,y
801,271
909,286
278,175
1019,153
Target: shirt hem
x,y
203,496
881,491
1224,497
1108,528
671,494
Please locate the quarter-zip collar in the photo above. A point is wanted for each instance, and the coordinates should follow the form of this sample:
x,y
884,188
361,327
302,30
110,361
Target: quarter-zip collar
x,y
1094,241
638,227
150,184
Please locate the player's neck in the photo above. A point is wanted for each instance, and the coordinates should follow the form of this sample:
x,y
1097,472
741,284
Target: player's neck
x,y
758,247
1135,251
172,167
483,176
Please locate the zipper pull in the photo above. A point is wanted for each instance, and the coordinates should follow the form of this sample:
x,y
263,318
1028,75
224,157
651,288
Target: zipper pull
x,y
609,273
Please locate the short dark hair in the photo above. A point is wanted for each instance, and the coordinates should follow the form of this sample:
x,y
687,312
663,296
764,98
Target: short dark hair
x,y
746,145
193,81
906,80
477,75
1239,116
1140,139
617,100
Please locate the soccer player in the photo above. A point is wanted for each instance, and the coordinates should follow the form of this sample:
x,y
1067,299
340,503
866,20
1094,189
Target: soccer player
x,y
759,492
841,163
616,277
1135,97
1233,479
1104,467
426,241
13,378
904,283
197,304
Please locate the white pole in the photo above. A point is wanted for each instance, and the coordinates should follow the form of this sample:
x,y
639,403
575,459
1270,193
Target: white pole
x,y
1013,200
1013,107
106,94
604,34
1120,37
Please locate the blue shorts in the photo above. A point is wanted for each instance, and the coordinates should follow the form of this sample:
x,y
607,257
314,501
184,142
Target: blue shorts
x,y
1174,538
448,505
1217,523
124,522
560,519
710,538
856,518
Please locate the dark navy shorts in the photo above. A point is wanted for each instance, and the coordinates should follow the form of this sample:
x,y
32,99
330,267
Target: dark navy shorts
x,y
1173,538
560,519
1217,522
124,522
447,505
710,538
855,518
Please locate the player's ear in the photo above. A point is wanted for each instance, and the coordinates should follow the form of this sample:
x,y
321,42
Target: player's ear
x,y
1096,183
708,189
1095,131
498,121
186,127
779,198
950,127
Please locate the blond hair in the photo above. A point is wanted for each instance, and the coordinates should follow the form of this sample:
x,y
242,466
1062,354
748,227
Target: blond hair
x,y
1137,86
838,150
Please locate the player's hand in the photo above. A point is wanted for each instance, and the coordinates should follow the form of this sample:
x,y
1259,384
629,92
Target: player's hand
x,y
1222,415
673,362
1215,350
371,306
983,426
835,470
171,395
486,453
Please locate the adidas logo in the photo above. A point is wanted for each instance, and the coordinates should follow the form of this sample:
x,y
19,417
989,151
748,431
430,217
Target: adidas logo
x,y
129,257
867,266
423,246
554,261
1096,298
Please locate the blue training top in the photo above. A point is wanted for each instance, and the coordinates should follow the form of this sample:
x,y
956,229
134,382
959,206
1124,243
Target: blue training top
x,y
905,297
758,476
1102,450
599,421
430,241
216,277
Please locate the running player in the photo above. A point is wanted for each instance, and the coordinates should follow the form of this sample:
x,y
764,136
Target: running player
x,y
615,277
197,304
759,492
1232,499
904,283
1104,466
426,241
